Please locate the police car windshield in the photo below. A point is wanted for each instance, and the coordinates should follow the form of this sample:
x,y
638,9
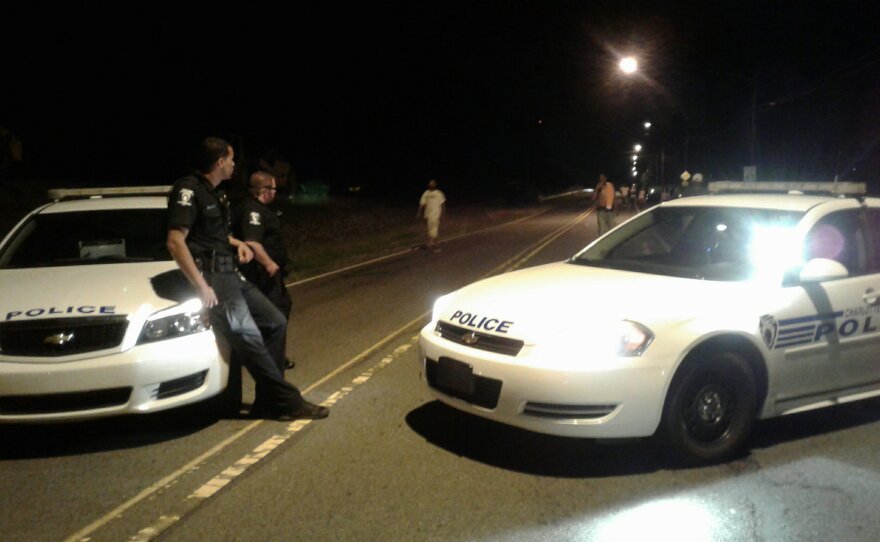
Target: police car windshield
x,y
82,238
712,243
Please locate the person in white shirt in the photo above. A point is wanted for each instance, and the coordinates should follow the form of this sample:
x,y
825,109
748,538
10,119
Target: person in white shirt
x,y
431,208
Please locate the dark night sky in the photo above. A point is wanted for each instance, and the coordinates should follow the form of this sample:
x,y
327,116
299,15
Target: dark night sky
x,y
392,94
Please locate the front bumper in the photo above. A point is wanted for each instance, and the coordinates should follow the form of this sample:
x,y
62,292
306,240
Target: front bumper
x,y
146,378
617,398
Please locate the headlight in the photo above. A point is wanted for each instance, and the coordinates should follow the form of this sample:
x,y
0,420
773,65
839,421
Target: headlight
x,y
634,339
159,327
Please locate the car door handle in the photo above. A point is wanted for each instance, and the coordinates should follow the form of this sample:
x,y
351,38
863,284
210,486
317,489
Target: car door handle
x,y
871,297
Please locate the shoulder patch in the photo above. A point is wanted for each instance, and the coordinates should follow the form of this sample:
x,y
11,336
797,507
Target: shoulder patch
x,y
255,219
186,196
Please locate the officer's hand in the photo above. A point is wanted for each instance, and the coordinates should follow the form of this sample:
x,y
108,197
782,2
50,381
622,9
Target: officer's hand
x,y
245,254
208,297
272,268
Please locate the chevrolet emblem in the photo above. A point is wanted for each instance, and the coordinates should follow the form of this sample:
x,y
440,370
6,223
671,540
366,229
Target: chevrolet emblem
x,y
470,338
59,339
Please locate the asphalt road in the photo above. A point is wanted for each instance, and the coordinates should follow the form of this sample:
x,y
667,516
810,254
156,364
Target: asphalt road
x,y
392,464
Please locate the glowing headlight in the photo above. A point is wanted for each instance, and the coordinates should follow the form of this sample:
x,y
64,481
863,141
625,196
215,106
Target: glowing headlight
x,y
174,325
634,339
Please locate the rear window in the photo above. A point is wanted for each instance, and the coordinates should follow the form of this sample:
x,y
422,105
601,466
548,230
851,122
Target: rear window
x,y
81,238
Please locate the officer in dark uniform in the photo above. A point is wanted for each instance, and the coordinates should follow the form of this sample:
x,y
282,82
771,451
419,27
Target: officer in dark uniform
x,y
260,227
200,242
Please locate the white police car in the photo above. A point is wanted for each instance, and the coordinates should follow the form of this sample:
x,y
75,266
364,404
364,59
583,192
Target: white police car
x,y
691,319
94,319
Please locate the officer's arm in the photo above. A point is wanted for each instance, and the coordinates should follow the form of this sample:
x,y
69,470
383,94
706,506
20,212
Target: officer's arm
x,y
263,257
176,243
245,254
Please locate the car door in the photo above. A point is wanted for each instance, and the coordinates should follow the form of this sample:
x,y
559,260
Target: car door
x,y
862,368
830,330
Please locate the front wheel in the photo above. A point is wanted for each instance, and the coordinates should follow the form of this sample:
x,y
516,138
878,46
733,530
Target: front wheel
x,y
710,408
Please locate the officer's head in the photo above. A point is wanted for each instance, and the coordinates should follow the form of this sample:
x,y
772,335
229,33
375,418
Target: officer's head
x,y
215,155
262,186
432,184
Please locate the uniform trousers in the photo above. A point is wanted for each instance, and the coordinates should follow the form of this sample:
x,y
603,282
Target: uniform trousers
x,y
272,287
256,332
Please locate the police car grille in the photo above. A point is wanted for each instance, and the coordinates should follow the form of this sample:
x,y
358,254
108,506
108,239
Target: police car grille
x,y
484,341
63,402
567,412
61,336
179,386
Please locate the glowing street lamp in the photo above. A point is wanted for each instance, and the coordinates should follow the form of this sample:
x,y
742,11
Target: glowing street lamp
x,y
647,125
637,147
635,157
628,65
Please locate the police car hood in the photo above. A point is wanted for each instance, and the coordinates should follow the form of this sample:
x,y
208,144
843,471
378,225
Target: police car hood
x,y
91,290
564,299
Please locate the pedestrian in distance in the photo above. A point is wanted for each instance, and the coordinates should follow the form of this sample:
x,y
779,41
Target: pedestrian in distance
x,y
258,225
604,198
200,241
431,208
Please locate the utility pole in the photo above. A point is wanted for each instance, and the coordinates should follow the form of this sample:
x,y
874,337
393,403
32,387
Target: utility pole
x,y
753,133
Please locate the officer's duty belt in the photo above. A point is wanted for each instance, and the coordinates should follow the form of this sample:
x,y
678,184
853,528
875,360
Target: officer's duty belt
x,y
216,263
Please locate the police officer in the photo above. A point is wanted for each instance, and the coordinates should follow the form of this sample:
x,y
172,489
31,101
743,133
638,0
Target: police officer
x,y
259,227
200,242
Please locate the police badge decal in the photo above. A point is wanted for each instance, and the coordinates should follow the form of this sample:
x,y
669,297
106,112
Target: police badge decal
x,y
769,330
255,219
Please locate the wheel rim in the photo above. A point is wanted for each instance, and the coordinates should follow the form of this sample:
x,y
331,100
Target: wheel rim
x,y
708,414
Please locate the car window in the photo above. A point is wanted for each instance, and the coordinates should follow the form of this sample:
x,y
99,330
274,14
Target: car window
x,y
79,238
713,243
872,218
840,236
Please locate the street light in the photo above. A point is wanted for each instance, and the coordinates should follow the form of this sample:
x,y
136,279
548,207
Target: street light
x,y
628,65
647,125
637,147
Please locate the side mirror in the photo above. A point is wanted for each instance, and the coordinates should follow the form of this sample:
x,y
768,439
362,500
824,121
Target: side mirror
x,y
822,269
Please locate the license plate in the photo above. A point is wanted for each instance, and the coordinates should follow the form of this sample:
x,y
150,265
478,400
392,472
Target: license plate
x,y
455,376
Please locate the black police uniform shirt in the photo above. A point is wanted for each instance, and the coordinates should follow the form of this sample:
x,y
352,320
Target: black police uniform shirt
x,y
203,210
259,223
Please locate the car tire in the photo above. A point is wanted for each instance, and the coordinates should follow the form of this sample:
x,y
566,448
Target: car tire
x,y
710,408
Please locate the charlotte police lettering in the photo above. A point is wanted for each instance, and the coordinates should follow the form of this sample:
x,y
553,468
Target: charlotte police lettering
x,y
481,322
82,309
821,327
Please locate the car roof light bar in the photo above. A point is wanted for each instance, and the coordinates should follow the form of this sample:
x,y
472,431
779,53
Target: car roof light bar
x,y
58,194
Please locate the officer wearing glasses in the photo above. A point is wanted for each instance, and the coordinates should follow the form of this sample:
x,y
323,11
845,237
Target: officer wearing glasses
x,y
260,227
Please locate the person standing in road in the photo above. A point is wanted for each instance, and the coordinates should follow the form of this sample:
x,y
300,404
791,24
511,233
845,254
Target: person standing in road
x,y
200,242
431,208
604,197
624,197
260,227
